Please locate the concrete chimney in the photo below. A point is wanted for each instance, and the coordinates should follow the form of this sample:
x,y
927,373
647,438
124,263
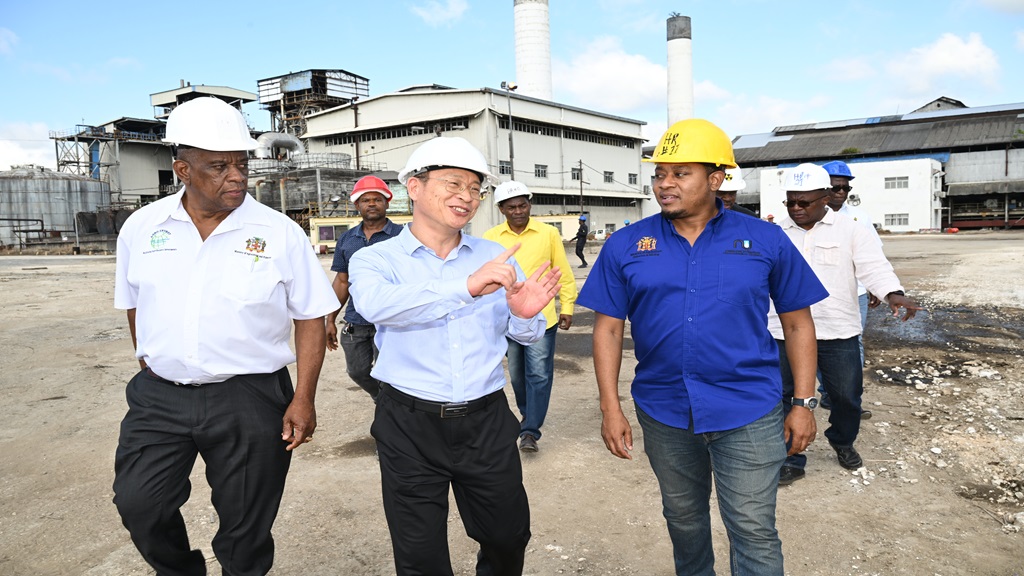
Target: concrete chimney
x,y
533,48
680,69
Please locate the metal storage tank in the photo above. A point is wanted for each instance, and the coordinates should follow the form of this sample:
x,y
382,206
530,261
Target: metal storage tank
x,y
37,203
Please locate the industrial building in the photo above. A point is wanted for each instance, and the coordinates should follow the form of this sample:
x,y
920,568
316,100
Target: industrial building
x,y
944,165
573,160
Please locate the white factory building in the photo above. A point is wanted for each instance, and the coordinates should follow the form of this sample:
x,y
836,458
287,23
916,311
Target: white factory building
x,y
573,160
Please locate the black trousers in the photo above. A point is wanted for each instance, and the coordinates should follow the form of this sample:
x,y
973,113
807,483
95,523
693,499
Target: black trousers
x,y
236,426
579,252
421,455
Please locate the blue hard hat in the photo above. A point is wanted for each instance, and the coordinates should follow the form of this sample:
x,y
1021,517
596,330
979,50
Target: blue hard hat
x,y
583,217
838,168
627,221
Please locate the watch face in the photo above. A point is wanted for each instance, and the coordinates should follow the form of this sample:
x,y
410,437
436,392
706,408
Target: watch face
x,y
811,403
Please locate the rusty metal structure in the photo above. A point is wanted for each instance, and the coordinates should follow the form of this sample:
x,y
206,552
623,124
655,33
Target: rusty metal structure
x,y
291,98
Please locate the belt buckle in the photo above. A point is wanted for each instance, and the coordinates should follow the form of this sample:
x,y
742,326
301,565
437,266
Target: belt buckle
x,y
454,409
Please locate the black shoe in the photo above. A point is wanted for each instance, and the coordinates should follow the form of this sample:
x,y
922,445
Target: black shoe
x,y
582,266
789,474
848,457
865,414
527,443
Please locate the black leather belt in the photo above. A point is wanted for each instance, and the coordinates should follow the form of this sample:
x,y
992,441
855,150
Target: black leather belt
x,y
441,409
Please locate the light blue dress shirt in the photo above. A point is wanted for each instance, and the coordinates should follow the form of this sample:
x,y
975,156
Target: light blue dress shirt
x,y
436,341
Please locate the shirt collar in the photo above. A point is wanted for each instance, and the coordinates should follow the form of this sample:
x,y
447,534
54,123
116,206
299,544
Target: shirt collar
x,y
410,243
532,224
829,219
390,228
247,213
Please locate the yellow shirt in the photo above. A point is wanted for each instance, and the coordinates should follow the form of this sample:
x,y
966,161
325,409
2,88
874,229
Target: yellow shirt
x,y
540,243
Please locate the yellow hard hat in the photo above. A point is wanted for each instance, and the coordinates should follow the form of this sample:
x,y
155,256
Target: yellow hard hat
x,y
694,140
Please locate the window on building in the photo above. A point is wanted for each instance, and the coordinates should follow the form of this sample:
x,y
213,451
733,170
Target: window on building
x,y
540,170
634,179
609,177
504,167
897,182
897,219
577,174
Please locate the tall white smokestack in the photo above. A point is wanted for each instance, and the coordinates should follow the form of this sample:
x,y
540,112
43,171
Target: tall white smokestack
x,y
533,48
680,69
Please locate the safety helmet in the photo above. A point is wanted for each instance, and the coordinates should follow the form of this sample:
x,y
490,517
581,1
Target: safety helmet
x,y
807,177
626,222
583,217
734,181
447,152
837,168
510,189
211,124
370,184
694,140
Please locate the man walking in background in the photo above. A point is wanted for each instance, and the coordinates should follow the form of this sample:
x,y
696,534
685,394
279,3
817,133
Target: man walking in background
x,y
581,240
532,368
370,196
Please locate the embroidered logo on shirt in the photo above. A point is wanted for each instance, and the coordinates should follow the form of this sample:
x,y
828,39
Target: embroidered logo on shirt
x,y
646,244
255,244
741,246
158,241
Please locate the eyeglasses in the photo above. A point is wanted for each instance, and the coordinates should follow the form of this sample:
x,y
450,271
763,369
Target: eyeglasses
x,y
838,189
456,187
801,203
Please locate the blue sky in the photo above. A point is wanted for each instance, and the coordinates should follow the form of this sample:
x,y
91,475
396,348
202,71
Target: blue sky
x,y
757,63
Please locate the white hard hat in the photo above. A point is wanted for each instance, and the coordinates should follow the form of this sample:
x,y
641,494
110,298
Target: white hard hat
x,y
807,177
510,189
734,181
447,152
210,124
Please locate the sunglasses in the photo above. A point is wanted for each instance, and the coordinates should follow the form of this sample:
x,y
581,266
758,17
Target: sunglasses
x,y
838,189
801,203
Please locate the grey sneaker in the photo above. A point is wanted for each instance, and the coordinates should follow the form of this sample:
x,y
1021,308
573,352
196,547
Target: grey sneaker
x,y
527,443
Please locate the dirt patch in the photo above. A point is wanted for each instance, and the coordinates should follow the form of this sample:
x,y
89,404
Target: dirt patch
x,y
941,492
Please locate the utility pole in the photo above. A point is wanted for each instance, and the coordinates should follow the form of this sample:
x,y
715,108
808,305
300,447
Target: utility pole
x,y
581,187
510,87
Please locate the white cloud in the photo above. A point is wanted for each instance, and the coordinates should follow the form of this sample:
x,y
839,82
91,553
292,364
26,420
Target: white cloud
x,y
1012,6
708,91
604,77
7,41
26,143
436,13
848,70
1020,39
752,116
925,70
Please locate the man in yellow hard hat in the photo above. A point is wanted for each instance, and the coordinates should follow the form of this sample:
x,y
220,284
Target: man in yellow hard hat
x,y
691,280
213,282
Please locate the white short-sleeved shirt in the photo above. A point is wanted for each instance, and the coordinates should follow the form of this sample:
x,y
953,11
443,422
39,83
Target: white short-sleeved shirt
x,y
207,311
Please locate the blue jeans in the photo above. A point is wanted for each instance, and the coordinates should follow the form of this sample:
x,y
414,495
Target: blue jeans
x,y
746,464
862,301
842,375
531,369
360,355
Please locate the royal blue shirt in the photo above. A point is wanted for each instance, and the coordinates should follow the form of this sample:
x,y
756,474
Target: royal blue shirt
x,y
352,240
699,314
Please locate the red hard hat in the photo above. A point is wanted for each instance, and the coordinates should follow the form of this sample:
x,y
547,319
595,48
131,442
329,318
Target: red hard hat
x,y
370,184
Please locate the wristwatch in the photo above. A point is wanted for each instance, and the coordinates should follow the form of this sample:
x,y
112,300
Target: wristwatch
x,y
809,403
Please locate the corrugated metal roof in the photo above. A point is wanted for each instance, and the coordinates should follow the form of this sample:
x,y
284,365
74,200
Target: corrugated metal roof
x,y
952,131
977,188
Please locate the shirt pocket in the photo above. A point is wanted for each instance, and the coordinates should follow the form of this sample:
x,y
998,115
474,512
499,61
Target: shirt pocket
x,y
249,279
736,284
827,253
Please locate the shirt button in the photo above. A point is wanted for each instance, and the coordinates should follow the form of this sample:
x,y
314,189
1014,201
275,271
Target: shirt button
x,y
692,290
452,317
455,345
689,319
693,262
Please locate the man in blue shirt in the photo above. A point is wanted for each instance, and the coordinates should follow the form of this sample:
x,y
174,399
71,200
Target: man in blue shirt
x,y
443,303
370,196
695,283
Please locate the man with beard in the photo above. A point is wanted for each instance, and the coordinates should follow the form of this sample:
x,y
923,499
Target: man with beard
x,y
691,280
370,196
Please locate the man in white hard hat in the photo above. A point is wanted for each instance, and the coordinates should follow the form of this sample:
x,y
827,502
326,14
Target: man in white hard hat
x,y
690,280
532,368
732,184
444,303
841,252
213,282
370,196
